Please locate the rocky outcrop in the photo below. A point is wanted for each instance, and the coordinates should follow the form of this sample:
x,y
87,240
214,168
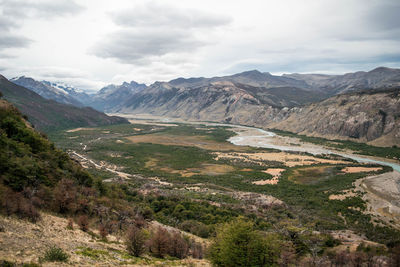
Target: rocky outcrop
x,y
372,117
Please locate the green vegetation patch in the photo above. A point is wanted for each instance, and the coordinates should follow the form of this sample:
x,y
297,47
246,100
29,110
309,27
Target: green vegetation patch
x,y
93,253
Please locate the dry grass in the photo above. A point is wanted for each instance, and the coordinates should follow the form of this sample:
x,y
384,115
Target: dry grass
x,y
80,129
204,169
275,172
287,159
361,169
173,140
346,194
312,175
24,242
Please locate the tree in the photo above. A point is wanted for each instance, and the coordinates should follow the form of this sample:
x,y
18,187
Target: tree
x,y
179,247
238,244
135,241
159,244
83,222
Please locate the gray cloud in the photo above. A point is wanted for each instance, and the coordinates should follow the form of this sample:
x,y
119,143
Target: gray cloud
x,y
154,14
384,16
14,12
18,9
13,41
6,23
151,31
133,47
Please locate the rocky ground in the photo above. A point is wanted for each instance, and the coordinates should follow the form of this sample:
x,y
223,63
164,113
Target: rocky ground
x,y
25,242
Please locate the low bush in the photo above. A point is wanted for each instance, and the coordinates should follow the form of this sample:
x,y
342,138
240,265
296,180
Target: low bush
x,y
136,241
55,254
83,222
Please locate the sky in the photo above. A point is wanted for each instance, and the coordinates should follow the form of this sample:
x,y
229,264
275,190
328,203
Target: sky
x,y
92,43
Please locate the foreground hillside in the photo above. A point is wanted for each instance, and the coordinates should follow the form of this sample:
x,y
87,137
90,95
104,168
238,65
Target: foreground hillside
x,y
48,114
37,179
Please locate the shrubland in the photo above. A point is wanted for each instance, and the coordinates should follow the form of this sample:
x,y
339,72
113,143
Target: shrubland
x,y
37,177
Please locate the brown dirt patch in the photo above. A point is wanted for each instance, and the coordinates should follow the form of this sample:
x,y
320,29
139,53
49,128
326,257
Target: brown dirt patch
x,y
79,129
361,169
288,159
350,240
275,172
173,140
133,121
346,194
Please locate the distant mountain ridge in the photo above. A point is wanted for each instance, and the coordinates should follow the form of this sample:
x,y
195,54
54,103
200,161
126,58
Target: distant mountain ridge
x,y
114,95
361,80
257,98
46,114
47,90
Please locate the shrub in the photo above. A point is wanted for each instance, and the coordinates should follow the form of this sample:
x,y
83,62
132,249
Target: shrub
x,y
65,195
147,213
238,244
196,228
179,247
136,241
70,225
28,211
31,265
159,243
55,254
4,263
103,231
197,250
83,222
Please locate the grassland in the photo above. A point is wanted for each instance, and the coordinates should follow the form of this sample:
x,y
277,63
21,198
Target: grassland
x,y
184,183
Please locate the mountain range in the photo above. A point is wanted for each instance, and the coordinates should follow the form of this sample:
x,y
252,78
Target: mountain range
x,y
47,114
301,103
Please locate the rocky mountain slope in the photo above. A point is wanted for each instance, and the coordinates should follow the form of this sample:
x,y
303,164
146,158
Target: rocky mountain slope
x,y
289,102
46,90
74,92
218,101
48,114
361,80
114,95
369,116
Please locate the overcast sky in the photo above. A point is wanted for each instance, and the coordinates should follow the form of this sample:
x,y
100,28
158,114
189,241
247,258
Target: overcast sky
x,y
91,43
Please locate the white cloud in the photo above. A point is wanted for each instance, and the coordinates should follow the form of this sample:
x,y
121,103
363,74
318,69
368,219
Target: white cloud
x,y
154,40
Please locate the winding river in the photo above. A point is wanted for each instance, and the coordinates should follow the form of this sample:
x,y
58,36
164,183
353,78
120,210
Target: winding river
x,y
256,137
249,136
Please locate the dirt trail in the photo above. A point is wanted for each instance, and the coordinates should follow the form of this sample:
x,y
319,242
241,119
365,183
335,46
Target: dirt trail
x,y
82,158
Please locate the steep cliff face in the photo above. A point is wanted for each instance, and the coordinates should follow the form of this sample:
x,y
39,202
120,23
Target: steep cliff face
x,y
372,117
